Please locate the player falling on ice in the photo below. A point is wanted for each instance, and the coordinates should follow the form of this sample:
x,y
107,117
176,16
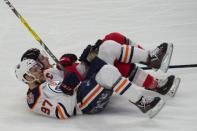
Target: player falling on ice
x,y
90,93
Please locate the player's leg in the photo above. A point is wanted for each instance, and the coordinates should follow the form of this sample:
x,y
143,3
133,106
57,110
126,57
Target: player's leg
x,y
110,78
130,54
158,59
165,47
166,86
92,98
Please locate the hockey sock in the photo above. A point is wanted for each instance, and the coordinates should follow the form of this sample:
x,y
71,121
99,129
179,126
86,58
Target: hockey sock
x,y
131,54
110,78
126,89
142,78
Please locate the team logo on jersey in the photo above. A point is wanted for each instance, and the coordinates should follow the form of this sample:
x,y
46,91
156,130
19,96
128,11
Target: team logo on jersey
x,y
30,98
54,86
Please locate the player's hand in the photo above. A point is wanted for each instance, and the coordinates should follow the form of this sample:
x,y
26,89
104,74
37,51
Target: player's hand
x,y
67,60
69,83
90,52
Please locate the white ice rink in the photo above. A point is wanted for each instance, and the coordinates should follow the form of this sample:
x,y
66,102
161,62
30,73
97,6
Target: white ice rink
x,y
69,26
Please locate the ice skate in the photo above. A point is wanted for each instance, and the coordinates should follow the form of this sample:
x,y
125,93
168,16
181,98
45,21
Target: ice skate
x,y
160,57
168,86
150,106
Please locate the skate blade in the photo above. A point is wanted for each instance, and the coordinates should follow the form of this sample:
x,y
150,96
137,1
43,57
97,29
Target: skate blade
x,y
167,58
174,87
154,111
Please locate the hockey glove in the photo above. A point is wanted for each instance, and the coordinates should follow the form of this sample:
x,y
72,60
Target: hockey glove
x,y
69,83
67,60
90,52
84,55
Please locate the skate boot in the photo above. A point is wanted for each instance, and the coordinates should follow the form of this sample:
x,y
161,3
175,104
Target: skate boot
x,y
160,57
150,106
168,86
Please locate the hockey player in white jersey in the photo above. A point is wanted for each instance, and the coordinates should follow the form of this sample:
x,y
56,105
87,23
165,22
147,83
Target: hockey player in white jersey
x,y
130,54
55,94
45,97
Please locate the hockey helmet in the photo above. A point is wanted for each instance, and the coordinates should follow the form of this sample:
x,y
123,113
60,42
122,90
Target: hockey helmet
x,y
23,68
32,53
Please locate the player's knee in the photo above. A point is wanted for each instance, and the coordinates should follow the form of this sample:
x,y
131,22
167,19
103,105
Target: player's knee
x,y
104,48
107,76
106,55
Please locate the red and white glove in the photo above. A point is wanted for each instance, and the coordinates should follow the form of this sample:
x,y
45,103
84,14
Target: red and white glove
x,y
67,60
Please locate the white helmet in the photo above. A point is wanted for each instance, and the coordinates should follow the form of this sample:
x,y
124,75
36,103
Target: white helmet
x,y
23,68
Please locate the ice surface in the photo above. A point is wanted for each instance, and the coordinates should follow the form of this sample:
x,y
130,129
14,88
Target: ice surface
x,y
68,26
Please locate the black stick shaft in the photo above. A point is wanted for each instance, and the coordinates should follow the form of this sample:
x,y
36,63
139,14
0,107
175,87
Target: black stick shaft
x,y
175,66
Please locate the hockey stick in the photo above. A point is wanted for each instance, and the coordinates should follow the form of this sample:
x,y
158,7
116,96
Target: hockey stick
x,y
51,54
33,32
175,66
